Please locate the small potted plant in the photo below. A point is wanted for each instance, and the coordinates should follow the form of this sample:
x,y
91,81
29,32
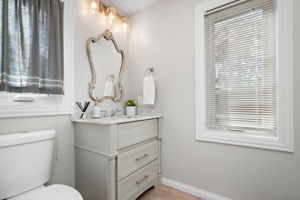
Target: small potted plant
x,y
130,107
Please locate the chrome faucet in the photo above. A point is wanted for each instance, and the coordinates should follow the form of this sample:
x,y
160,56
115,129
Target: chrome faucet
x,y
105,113
115,112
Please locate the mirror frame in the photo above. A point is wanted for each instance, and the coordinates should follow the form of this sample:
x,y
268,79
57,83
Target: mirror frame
x,y
92,85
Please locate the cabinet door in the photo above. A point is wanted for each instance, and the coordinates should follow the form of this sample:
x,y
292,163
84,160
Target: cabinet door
x,y
135,132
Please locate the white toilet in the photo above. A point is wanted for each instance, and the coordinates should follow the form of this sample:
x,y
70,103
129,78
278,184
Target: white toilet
x,y
25,165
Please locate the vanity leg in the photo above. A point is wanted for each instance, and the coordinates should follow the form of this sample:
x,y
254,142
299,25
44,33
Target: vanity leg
x,y
159,150
112,186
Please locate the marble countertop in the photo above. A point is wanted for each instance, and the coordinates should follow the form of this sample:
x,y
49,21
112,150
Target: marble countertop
x,y
115,120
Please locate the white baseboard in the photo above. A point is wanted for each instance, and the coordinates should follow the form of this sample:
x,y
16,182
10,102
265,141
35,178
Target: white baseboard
x,y
192,190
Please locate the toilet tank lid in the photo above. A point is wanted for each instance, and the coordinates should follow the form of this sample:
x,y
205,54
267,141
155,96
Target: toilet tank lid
x,y
26,137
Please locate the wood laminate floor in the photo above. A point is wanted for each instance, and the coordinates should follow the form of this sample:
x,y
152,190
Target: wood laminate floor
x,y
166,193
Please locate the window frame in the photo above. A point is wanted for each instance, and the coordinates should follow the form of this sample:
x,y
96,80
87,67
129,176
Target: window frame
x,y
283,141
55,104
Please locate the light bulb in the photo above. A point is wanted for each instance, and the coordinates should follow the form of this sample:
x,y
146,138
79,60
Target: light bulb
x,y
125,23
94,5
111,18
125,26
111,12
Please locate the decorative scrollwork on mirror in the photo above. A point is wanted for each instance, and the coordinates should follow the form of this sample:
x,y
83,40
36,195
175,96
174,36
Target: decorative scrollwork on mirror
x,y
106,61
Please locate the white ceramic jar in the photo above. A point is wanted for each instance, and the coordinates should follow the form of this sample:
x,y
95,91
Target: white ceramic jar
x,y
130,111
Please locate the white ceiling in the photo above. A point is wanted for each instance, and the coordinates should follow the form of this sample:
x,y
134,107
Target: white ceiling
x,y
132,6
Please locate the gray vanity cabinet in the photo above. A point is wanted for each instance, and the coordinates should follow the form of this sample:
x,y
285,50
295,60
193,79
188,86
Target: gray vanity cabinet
x,y
117,161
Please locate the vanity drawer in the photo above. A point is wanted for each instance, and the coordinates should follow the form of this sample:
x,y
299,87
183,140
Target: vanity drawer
x,y
135,132
131,185
132,160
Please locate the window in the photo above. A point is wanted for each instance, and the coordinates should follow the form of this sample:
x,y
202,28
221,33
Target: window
x,y
241,68
242,64
31,47
46,78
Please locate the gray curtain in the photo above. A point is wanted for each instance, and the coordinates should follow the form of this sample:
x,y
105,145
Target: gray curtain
x,y
31,46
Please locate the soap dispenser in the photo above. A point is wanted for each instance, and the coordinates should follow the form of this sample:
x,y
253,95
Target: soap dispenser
x,y
96,111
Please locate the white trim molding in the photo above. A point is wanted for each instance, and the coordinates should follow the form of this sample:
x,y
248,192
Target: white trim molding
x,y
44,105
283,140
192,190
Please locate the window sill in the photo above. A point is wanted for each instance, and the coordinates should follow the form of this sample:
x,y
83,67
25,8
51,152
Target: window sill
x,y
34,114
32,111
54,105
263,142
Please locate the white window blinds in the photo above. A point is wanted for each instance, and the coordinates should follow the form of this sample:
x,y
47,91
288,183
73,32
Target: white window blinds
x,y
242,67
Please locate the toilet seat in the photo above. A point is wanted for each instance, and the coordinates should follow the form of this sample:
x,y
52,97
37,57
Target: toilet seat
x,y
52,192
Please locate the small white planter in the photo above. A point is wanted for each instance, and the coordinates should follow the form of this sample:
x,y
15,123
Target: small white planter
x,y
130,111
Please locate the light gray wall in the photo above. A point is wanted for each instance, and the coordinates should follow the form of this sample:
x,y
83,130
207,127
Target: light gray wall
x,y
163,36
63,171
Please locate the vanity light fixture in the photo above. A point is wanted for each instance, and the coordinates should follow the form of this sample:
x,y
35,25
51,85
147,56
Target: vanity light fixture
x,y
108,11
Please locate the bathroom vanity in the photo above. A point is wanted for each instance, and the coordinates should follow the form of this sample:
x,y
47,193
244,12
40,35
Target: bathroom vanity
x,y
117,158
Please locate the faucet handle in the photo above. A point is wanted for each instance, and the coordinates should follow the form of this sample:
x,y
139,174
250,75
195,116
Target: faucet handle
x,y
113,112
119,112
105,113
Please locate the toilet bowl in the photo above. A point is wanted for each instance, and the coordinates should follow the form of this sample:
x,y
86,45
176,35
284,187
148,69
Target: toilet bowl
x,y
26,160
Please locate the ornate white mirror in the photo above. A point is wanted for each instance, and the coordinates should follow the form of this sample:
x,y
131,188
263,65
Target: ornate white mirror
x,y
107,62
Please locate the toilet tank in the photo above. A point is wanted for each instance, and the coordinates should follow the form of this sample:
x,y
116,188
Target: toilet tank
x,y
25,161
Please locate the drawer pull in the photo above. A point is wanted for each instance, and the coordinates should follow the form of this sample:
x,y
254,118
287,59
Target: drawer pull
x,y
140,181
142,157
